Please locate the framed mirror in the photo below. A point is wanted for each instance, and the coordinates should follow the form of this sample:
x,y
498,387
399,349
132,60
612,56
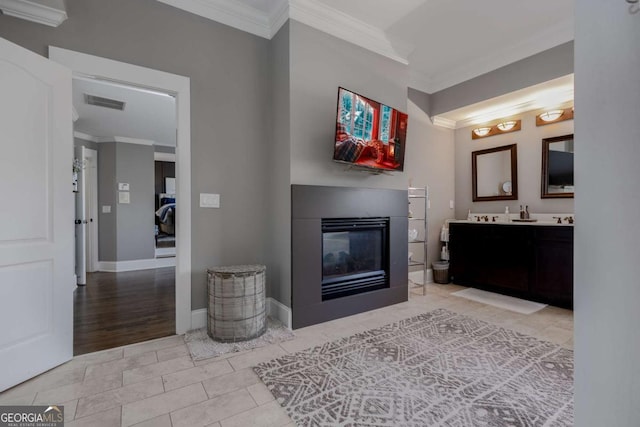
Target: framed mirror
x,y
557,167
495,173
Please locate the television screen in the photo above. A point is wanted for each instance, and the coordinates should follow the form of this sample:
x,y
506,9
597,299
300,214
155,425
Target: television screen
x,y
368,133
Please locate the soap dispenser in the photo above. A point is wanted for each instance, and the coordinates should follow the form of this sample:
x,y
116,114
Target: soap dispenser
x,y
526,212
469,215
507,218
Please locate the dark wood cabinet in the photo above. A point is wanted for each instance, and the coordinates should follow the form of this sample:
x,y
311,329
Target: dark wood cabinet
x,y
527,261
553,265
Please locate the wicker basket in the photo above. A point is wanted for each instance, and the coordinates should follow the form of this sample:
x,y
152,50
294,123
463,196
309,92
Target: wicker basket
x,y
237,309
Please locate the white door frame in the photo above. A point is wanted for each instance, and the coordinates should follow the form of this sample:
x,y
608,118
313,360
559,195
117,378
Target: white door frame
x,y
88,65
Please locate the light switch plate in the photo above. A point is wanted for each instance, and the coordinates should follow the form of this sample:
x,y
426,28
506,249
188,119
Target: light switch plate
x,y
208,200
106,209
123,186
123,197
450,204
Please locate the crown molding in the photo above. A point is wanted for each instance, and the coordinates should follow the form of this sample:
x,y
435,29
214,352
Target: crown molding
x,y
85,136
164,157
131,140
229,12
124,139
551,37
34,12
346,27
443,122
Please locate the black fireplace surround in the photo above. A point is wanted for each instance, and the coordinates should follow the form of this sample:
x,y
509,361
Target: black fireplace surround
x,y
349,251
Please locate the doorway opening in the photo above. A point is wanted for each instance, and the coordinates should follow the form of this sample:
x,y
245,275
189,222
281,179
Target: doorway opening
x,y
167,276
128,295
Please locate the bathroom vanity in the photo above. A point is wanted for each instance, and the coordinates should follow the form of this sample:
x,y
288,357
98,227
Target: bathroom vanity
x,y
533,261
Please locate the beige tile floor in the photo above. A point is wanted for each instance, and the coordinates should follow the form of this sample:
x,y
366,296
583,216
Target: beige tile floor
x,y
157,384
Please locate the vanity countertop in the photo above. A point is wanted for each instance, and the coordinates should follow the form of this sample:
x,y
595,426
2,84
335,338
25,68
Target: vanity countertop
x,y
503,222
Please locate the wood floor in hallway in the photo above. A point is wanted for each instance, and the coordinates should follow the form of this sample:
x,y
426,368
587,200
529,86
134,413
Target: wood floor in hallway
x,y
116,309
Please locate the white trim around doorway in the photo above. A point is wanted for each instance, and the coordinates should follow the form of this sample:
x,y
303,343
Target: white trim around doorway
x,y
84,65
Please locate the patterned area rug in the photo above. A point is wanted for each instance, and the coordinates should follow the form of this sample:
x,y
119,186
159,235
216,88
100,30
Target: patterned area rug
x,y
435,369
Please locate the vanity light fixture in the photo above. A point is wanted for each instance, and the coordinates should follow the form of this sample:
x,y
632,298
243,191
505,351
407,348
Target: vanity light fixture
x,y
482,131
500,128
554,116
550,116
505,126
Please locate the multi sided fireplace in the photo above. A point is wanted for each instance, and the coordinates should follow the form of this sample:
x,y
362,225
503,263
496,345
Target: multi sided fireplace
x,y
354,256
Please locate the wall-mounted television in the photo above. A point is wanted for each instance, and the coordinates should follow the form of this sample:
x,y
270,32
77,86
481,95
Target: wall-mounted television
x,y
369,134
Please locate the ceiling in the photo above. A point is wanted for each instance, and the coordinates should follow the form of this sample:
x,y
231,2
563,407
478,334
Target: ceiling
x,y
443,42
149,117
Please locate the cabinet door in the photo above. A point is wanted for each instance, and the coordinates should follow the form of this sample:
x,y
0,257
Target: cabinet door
x,y
509,252
467,256
553,270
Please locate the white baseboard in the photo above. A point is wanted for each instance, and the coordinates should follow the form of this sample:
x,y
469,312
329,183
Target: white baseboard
x,y
199,318
279,311
275,309
138,264
416,276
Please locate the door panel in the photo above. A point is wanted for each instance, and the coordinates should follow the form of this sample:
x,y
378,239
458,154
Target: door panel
x,y
36,219
29,160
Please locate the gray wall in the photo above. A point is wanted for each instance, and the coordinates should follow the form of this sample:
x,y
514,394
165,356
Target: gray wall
x,y
135,221
430,161
606,291
229,84
107,196
319,64
278,245
544,66
529,141
127,233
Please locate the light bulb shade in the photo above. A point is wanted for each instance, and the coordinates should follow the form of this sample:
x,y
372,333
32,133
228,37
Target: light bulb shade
x,y
550,116
505,126
482,131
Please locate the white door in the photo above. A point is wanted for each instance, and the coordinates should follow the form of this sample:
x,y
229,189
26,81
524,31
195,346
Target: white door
x,y
85,165
91,204
36,218
81,215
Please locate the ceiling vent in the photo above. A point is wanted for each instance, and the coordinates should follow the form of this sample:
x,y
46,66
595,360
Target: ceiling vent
x,y
99,101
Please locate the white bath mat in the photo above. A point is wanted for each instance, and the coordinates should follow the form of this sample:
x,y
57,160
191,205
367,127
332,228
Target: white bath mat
x,y
501,301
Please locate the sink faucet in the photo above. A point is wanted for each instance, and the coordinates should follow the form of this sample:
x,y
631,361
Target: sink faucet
x,y
559,219
569,219
485,217
493,218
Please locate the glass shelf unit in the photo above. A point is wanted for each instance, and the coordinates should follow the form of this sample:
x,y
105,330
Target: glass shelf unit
x,y
418,199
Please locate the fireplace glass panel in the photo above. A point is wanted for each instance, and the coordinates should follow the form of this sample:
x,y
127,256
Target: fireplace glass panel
x,y
351,252
354,256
